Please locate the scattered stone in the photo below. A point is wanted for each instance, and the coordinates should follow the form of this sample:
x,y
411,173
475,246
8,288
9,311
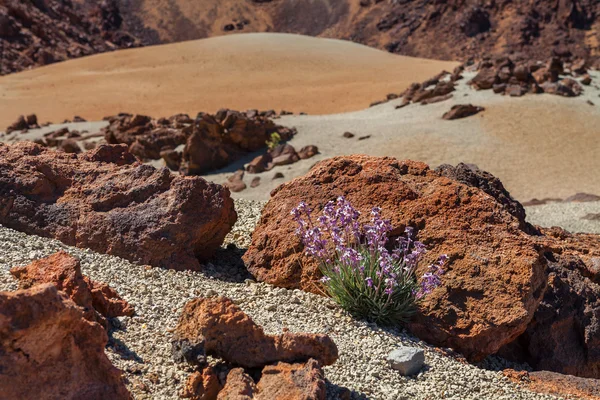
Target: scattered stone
x,y
591,103
202,385
235,182
106,201
364,137
407,360
219,328
44,338
77,118
308,152
592,217
462,111
255,182
97,300
19,125
348,135
69,146
278,175
260,164
586,80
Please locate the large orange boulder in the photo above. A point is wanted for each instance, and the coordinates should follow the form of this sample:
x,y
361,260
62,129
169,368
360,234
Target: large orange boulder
x,y
50,351
106,201
98,300
495,276
217,327
292,381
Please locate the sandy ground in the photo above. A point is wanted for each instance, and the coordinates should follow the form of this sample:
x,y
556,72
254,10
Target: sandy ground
x,y
260,70
574,217
538,145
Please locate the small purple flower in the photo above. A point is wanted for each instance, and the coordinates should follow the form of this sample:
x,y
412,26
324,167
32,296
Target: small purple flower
x,y
325,279
369,282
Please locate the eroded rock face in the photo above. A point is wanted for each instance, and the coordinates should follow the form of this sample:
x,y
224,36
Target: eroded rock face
x,y
105,201
239,386
474,311
50,351
202,385
97,300
564,335
217,327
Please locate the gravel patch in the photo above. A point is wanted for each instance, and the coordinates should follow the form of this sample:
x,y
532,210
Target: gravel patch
x,y
140,345
574,217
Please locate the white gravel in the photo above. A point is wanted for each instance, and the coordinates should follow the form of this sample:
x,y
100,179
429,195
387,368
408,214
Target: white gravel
x,y
141,347
574,217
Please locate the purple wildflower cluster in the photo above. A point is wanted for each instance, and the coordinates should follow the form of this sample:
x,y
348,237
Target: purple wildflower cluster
x,y
349,252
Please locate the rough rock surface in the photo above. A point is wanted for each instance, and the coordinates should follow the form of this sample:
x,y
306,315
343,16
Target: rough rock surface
x,y
50,351
97,300
474,311
40,32
239,386
556,384
292,381
216,326
106,201
564,335
202,385
432,29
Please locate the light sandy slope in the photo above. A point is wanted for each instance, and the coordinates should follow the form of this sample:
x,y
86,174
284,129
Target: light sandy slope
x,y
538,145
262,71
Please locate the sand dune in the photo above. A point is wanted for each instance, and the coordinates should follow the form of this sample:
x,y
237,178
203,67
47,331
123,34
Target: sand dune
x,y
263,71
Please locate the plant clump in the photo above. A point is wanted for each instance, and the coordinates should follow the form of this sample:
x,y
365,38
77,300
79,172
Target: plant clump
x,y
362,272
273,141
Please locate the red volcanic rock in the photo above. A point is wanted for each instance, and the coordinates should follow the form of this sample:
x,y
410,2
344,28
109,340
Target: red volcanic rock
x,y
216,326
97,300
202,385
235,182
475,311
255,182
283,154
50,351
485,79
259,164
547,382
220,139
35,33
462,111
19,125
239,386
308,152
564,335
292,381
104,201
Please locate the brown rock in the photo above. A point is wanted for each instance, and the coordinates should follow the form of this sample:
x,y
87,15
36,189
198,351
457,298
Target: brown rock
x,y
437,99
348,135
19,125
255,182
283,154
50,351
462,111
216,326
69,146
474,312
586,79
278,175
259,164
32,121
239,386
308,152
547,382
97,300
235,182
292,381
105,201
172,159
485,79
202,385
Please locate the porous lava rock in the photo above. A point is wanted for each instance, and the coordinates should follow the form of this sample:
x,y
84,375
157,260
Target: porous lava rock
x,y
239,386
98,300
556,384
495,277
106,201
217,327
50,351
303,381
202,385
